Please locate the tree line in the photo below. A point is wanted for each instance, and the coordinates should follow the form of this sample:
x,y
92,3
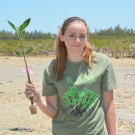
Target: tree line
x,y
116,31
7,35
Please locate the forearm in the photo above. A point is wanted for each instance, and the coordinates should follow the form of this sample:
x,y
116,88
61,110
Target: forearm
x,y
110,120
47,108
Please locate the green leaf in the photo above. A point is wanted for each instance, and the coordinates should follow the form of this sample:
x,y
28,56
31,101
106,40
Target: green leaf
x,y
20,35
12,25
18,53
29,50
24,25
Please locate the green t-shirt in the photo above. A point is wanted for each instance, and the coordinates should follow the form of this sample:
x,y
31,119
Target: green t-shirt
x,y
80,101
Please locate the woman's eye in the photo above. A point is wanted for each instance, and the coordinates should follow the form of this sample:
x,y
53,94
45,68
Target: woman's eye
x,y
71,35
82,36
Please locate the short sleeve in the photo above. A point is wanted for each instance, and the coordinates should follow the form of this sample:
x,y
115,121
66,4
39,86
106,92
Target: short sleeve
x,y
108,81
48,88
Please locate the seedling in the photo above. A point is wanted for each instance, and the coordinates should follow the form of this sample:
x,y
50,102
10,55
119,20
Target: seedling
x,y
23,53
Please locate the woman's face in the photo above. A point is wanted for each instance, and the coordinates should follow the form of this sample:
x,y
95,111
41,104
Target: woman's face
x,y
75,38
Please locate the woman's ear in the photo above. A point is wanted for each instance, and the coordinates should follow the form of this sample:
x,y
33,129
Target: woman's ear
x,y
61,37
87,38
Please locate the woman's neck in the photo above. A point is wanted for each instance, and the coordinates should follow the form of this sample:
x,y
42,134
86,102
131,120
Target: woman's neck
x,y
75,58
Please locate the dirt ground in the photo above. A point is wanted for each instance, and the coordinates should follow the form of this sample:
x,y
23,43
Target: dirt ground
x,y
15,117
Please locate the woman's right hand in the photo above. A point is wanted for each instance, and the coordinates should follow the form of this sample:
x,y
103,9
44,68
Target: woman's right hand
x,y
31,91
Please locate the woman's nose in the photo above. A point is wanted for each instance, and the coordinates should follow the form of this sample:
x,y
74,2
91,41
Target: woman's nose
x,y
77,39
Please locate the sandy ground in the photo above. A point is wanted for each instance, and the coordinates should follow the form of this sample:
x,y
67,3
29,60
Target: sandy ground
x,y
15,117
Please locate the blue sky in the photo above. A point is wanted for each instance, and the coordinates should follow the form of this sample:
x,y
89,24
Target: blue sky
x,y
48,15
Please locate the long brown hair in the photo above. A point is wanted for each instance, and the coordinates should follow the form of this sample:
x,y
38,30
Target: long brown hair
x,y
61,51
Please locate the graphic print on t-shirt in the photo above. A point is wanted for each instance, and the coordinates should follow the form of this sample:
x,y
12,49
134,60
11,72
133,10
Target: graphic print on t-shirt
x,y
77,99
79,80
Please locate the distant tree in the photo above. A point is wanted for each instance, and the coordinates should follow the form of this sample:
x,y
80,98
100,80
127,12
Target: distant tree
x,y
116,31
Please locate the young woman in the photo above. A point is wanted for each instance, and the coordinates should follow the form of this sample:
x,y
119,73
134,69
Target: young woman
x,y
78,85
